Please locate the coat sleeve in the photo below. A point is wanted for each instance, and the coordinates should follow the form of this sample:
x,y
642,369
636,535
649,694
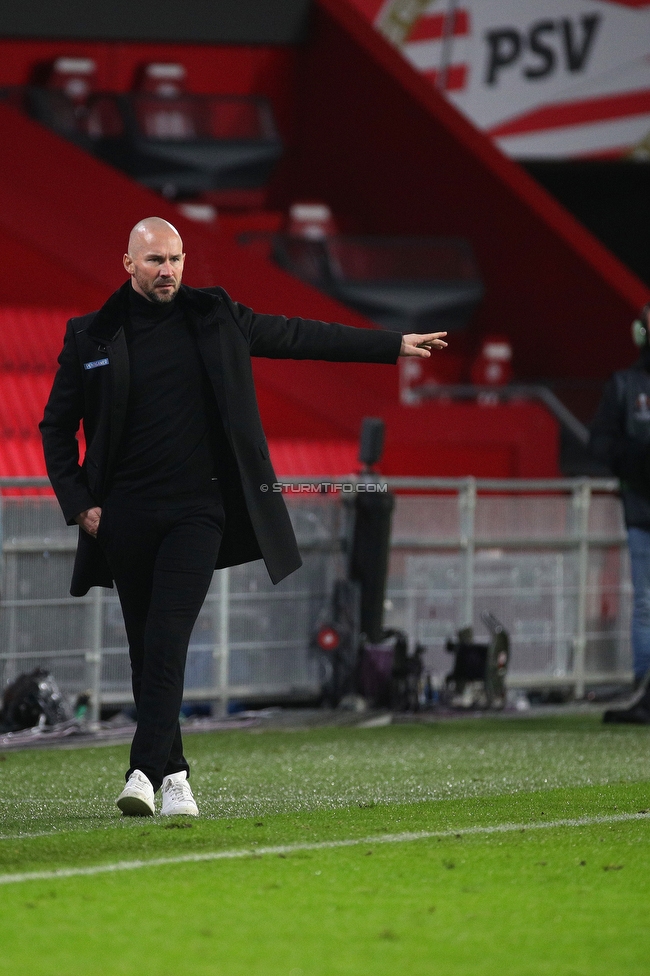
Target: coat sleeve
x,y
277,337
625,456
59,427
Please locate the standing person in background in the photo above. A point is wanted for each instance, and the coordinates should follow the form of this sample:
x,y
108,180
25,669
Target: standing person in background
x,y
620,438
174,481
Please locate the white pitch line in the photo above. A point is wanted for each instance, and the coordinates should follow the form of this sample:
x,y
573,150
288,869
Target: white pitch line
x,y
316,846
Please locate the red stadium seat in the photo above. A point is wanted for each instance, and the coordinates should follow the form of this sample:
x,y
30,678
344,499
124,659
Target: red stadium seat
x,y
30,341
31,338
74,77
22,401
164,80
180,143
311,221
61,104
21,457
166,114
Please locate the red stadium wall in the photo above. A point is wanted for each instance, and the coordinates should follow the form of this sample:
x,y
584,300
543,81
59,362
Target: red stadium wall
x,y
411,164
66,217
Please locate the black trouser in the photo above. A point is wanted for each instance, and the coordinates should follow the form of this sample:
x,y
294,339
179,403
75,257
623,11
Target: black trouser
x,y
162,556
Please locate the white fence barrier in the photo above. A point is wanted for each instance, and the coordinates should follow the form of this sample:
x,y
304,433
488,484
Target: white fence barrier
x,y
548,558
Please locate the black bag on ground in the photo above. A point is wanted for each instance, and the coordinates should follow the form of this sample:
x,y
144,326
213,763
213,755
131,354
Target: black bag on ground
x,y
33,699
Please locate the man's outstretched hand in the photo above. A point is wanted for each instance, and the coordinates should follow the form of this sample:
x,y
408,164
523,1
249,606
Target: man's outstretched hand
x,y
421,345
89,520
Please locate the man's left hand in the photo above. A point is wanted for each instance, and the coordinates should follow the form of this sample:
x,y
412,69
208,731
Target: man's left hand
x,y
421,345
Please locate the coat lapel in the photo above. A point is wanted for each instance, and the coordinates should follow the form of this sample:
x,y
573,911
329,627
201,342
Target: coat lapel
x,y
202,311
108,330
112,316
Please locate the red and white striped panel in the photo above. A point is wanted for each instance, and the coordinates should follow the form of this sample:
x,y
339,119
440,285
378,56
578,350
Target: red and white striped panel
x,y
436,26
543,78
424,48
605,126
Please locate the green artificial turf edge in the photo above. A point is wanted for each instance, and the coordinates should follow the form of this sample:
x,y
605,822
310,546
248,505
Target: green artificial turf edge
x,y
475,905
567,900
149,838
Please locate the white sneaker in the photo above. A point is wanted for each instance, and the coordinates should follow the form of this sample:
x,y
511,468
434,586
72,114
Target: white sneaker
x,y
136,799
177,798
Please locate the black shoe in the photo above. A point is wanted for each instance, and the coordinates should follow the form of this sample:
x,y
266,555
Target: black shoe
x,y
641,682
637,715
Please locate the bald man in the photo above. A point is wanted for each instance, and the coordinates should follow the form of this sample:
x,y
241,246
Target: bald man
x,y
172,482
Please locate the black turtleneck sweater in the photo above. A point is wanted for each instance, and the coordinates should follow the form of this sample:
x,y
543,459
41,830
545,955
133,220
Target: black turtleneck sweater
x,y
167,448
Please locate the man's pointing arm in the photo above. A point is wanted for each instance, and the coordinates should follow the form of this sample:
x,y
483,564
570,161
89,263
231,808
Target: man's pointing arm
x,y
277,337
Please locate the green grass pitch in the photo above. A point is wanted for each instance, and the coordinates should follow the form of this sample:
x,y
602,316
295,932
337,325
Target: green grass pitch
x,y
483,847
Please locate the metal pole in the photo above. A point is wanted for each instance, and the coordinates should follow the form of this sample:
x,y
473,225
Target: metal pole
x,y
221,651
447,45
467,512
560,651
11,585
581,503
94,656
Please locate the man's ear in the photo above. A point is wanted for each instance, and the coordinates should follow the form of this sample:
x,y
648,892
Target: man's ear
x,y
127,261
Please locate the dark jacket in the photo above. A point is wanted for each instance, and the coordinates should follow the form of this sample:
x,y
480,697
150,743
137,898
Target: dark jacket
x,y
620,438
228,334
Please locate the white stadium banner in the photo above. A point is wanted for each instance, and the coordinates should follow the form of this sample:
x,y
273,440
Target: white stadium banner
x,y
546,79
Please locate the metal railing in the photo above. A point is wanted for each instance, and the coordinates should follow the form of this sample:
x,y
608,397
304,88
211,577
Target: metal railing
x,y
549,558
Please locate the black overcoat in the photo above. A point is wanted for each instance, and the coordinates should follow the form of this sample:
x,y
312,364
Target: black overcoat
x,y
620,439
92,386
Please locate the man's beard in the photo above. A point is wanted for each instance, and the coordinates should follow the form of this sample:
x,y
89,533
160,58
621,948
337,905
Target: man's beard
x,y
152,293
161,298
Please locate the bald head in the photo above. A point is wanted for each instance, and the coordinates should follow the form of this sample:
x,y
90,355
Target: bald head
x,y
146,231
155,259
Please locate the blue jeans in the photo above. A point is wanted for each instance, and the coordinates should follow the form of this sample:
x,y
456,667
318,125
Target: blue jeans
x,y
639,545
